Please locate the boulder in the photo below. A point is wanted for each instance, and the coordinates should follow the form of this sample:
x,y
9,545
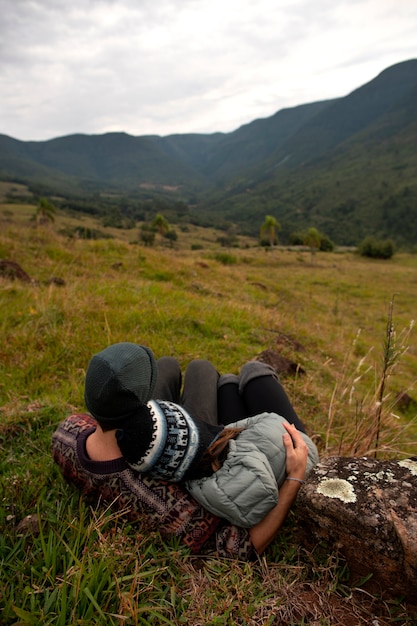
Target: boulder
x,y
366,510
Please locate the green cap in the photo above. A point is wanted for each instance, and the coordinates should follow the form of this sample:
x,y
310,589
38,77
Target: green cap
x,y
119,379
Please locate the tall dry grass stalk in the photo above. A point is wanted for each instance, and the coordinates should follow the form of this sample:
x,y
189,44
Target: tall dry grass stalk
x,y
362,406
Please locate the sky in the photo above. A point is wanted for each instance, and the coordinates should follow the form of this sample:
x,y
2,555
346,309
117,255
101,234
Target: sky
x,y
161,67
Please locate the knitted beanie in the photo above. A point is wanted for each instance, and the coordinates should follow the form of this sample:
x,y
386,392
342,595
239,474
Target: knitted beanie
x,y
119,380
166,441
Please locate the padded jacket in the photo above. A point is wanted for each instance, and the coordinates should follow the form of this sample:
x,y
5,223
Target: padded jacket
x,y
246,487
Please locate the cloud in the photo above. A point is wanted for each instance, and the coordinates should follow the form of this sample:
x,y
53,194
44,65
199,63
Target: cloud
x,y
169,66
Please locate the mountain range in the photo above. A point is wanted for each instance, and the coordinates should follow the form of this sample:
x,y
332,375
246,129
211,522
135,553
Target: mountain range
x,y
347,166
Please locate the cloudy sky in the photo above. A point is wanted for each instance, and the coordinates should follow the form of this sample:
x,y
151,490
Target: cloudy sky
x,y
179,66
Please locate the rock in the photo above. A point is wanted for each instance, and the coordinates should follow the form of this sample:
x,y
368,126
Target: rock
x,y
13,271
282,365
366,509
29,524
55,280
404,401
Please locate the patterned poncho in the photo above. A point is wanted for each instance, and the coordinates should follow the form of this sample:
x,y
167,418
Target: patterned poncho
x,y
154,504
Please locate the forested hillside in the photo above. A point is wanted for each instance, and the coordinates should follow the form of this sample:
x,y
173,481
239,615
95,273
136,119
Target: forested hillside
x,y
346,166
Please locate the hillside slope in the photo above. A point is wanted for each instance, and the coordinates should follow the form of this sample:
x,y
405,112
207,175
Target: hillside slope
x,y
347,166
351,170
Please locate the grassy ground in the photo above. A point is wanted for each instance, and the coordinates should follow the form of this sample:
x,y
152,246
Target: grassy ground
x,y
68,564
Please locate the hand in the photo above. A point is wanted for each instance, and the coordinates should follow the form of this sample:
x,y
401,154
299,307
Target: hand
x,y
296,451
296,454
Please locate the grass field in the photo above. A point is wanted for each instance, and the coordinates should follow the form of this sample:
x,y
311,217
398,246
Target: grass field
x,y
69,564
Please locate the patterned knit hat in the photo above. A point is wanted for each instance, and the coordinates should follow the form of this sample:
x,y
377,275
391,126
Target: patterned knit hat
x,y
166,441
119,380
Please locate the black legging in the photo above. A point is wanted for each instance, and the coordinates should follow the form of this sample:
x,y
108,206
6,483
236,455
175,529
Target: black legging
x,y
258,390
259,395
198,394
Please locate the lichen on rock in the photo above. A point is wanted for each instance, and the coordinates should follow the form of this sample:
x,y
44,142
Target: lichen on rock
x,y
383,475
367,510
337,488
409,464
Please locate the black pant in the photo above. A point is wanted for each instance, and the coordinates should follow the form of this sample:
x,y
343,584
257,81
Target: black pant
x,y
224,399
199,394
256,390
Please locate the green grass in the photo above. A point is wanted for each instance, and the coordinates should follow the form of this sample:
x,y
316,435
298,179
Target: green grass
x,y
79,565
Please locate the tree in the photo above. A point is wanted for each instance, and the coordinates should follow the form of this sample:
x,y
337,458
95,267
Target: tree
x,y
45,212
270,228
160,224
313,241
299,238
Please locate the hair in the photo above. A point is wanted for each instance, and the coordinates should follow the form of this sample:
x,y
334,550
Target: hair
x,y
214,457
122,422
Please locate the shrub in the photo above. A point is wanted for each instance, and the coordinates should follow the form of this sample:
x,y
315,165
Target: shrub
x,y
376,248
171,235
84,232
326,244
228,241
225,259
147,235
297,238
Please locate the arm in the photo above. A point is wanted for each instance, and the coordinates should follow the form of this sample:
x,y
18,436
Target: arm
x,y
296,450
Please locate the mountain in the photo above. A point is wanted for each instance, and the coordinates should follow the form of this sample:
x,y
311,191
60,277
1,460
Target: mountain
x,y
351,170
123,162
113,160
347,166
251,144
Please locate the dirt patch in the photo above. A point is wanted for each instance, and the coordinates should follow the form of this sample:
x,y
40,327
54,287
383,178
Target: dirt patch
x,y
280,363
